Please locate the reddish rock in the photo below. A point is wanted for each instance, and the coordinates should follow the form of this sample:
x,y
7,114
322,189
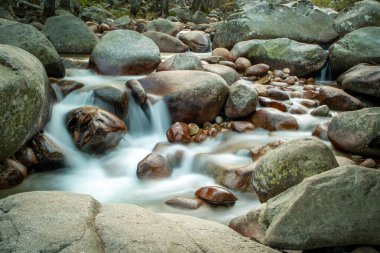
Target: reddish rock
x,y
257,70
213,132
185,203
309,94
277,94
200,137
273,120
242,64
153,166
94,130
11,173
223,52
368,163
26,156
337,99
67,86
267,102
257,153
137,90
216,195
308,103
296,109
242,126
320,130
179,133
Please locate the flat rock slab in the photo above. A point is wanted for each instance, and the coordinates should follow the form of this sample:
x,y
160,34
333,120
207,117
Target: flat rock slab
x,y
68,222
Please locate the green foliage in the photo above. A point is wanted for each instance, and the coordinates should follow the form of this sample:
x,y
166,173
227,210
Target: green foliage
x,y
337,5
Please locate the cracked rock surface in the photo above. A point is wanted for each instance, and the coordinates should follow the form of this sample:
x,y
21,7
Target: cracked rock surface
x,y
52,222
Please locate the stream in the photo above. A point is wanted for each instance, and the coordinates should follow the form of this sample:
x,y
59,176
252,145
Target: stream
x,y
112,177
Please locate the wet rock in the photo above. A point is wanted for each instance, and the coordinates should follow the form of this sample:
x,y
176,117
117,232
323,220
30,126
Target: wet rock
x,y
200,137
223,53
198,41
368,163
216,195
163,26
362,78
267,102
11,173
241,101
193,129
257,70
308,103
227,73
361,14
186,61
302,59
125,52
112,99
30,39
72,63
184,203
259,152
242,126
265,20
337,99
242,64
277,94
26,156
137,90
357,132
153,166
274,120
321,111
297,109
179,133
192,96
26,98
94,130
359,46
289,164
68,86
320,130
345,197
69,34
166,43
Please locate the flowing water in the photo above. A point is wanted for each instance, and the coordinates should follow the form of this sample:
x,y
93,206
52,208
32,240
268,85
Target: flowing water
x,y
112,178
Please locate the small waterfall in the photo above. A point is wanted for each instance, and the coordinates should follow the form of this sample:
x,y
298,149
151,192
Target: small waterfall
x,y
325,73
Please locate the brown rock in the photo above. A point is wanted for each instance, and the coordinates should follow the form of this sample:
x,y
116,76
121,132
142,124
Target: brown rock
x,y
137,90
153,166
179,133
273,120
259,152
369,163
309,94
308,103
337,99
277,94
67,86
242,126
26,156
185,203
296,109
198,41
94,130
257,70
267,102
223,53
112,99
320,130
200,137
228,64
228,74
242,64
216,195
11,173
104,28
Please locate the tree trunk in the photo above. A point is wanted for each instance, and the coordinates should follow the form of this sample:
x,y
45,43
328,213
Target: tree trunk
x,y
165,8
135,7
65,4
49,8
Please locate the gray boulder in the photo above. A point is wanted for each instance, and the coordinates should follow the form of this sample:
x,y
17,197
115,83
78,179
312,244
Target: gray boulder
x,y
191,96
289,164
124,52
229,74
339,207
184,14
263,20
200,18
166,43
163,26
357,132
30,39
359,46
362,78
25,98
242,99
95,13
361,14
186,61
302,59
29,223
69,34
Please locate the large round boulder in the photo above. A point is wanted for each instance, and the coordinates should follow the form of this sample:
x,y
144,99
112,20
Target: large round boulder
x,y
191,96
337,99
124,52
302,59
289,164
166,43
268,20
361,14
336,208
357,132
69,34
359,46
363,79
30,39
25,98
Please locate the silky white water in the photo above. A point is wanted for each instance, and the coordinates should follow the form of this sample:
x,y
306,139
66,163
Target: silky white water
x,y
112,177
